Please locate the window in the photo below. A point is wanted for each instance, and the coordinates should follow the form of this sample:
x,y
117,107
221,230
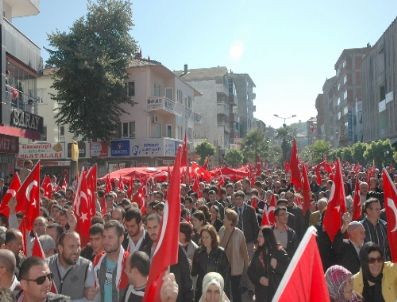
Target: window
x,y
189,102
61,130
179,96
345,79
157,90
169,93
382,93
128,129
169,131
131,89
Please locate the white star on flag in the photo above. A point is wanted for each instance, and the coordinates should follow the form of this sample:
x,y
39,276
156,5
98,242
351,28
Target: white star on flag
x,y
84,217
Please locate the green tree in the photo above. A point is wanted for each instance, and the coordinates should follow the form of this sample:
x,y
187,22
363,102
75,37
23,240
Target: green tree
x,y
234,158
255,144
204,149
347,154
379,151
91,63
318,150
358,150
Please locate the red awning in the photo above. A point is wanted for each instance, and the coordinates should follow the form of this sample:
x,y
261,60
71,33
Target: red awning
x,y
13,131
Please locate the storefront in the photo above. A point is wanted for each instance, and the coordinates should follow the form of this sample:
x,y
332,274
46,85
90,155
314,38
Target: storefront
x,y
8,150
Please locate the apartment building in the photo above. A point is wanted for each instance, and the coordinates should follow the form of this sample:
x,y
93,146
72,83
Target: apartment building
x,y
20,65
349,95
379,109
151,129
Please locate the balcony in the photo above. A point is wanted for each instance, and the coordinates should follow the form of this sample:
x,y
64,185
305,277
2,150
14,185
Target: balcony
x,y
21,47
17,99
163,104
222,109
20,8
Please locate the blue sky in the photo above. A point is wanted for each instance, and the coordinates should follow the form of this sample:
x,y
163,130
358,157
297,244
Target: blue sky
x,y
288,48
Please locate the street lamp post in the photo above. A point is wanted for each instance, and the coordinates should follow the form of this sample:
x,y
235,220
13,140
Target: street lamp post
x,y
284,145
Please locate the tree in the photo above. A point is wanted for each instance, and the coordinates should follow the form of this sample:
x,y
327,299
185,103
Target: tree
x,y
234,158
204,149
91,63
381,152
285,133
255,144
318,150
358,150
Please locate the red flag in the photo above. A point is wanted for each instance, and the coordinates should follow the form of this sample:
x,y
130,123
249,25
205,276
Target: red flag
x,y
390,198
64,184
184,152
287,167
336,206
318,175
265,219
296,178
307,193
46,185
108,186
254,202
166,252
11,192
28,198
200,172
91,189
196,185
304,279
271,208
205,165
356,202
121,184
83,210
37,250
130,188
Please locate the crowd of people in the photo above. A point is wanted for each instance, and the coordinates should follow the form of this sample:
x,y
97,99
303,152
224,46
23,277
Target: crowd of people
x,y
225,251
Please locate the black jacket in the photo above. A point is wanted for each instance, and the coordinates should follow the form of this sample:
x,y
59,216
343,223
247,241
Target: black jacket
x,y
215,261
249,224
261,268
145,242
181,271
298,222
346,254
292,243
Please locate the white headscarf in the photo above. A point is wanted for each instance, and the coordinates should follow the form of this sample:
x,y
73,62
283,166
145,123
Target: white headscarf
x,y
216,279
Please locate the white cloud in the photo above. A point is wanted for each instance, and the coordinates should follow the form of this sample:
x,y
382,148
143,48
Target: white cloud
x,y
236,50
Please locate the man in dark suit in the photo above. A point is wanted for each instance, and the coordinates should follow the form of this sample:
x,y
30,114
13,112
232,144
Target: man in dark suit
x,y
347,250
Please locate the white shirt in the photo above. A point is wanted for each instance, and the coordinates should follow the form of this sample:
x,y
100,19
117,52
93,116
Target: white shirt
x,y
132,247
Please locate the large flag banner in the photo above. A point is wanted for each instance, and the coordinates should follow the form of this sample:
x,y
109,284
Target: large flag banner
x,y
356,202
390,198
10,193
166,252
336,206
307,193
304,279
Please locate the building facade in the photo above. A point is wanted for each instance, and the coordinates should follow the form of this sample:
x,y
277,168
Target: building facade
x,y
379,109
20,66
349,95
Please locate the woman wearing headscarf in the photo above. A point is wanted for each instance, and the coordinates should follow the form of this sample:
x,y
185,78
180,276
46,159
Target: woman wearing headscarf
x,y
213,288
209,257
377,280
340,285
268,265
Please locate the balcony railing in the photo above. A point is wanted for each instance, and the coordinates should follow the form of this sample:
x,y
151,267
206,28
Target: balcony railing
x,y
21,47
17,99
163,104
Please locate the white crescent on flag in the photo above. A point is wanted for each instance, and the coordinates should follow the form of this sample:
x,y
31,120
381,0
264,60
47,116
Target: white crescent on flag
x,y
29,189
12,192
163,227
392,206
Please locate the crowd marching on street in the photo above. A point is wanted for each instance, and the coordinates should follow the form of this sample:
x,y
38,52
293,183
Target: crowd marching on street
x,y
199,235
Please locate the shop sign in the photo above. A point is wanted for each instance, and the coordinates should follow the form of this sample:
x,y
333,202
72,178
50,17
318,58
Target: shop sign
x,y
26,120
99,149
120,148
42,151
9,144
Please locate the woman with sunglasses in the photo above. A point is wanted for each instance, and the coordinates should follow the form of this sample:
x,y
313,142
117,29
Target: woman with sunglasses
x,y
377,279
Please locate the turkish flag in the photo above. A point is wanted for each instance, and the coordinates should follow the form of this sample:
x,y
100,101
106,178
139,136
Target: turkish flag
x,y
200,172
130,188
11,192
82,210
91,188
166,252
205,165
336,206
265,219
270,210
390,198
196,185
318,175
108,186
64,185
304,279
296,178
307,193
184,160
356,202
121,183
28,198
46,185
37,249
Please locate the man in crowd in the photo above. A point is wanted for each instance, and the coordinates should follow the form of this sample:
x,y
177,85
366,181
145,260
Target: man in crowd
x,y
284,235
14,243
7,271
95,246
136,237
73,274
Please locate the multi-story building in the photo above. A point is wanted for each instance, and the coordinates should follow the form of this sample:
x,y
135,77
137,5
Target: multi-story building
x,y
349,94
321,115
216,105
330,96
245,102
379,109
152,127
20,65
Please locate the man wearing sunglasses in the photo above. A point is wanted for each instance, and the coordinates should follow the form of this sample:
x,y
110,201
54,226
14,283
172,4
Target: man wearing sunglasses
x,y
36,279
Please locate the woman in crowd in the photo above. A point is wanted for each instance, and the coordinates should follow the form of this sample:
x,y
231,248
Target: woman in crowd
x,y
233,241
209,257
213,288
198,221
340,285
268,265
377,280
215,221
